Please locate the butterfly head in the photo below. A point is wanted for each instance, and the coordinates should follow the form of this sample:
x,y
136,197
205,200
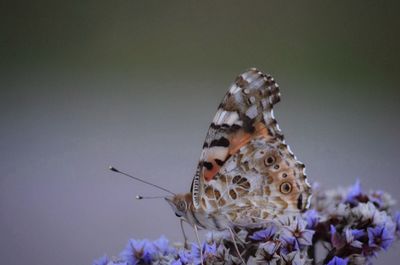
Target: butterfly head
x,y
180,204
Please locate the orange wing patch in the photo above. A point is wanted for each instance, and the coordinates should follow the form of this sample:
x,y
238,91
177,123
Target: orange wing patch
x,y
242,138
216,156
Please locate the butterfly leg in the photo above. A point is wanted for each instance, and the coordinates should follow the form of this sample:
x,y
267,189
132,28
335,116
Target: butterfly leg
x,y
236,247
198,241
185,244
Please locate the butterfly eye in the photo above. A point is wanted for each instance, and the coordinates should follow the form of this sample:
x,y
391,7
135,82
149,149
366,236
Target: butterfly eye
x,y
269,161
181,206
285,187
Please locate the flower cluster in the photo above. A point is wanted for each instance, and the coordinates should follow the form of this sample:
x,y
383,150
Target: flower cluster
x,y
353,225
343,226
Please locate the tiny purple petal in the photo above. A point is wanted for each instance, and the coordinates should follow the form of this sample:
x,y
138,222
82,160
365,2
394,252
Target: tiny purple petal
x,y
312,218
338,261
397,222
207,249
354,192
265,234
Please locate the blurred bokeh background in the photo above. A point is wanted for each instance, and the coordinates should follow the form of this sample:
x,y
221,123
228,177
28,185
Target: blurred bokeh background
x,y
85,84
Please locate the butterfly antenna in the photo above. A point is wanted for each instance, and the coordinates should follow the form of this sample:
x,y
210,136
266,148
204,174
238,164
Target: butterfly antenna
x,y
141,180
140,197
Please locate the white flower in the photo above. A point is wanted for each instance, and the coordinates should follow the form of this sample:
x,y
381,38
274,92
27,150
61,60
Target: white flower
x,y
294,258
364,211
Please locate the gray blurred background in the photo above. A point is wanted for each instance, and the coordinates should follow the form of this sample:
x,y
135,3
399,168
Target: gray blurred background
x,y
85,84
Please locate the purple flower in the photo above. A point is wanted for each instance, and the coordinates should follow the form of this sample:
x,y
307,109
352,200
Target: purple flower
x,y
101,261
380,236
184,257
162,245
207,250
265,234
338,261
354,193
397,223
337,240
358,225
289,244
297,229
312,218
138,251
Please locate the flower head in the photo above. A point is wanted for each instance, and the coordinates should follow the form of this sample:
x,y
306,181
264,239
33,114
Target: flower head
x,y
138,251
206,250
353,225
289,244
380,237
296,228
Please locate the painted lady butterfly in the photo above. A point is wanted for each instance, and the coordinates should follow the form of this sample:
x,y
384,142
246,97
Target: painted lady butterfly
x,y
247,175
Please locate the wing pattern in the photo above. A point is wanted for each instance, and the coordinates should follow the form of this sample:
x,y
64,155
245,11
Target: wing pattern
x,y
246,171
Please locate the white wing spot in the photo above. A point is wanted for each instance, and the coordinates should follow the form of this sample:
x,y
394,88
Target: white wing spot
x,y
223,116
234,89
231,118
252,112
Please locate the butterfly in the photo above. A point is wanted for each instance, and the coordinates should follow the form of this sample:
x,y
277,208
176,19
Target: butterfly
x,y
247,174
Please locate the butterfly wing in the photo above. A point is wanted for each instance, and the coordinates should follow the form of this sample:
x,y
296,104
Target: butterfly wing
x,y
245,162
